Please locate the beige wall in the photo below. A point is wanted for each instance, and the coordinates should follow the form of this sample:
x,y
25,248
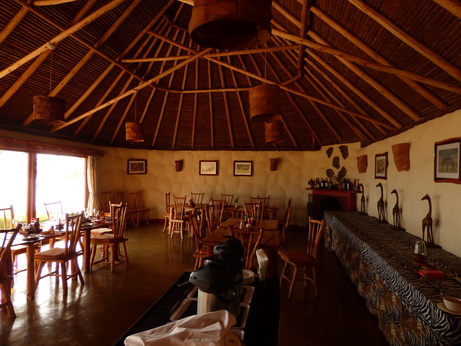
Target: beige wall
x,y
413,184
293,173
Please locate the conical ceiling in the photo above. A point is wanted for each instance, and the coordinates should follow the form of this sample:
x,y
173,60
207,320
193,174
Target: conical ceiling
x,y
348,71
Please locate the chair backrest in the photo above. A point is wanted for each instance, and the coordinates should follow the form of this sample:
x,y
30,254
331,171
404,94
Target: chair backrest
x,y
136,199
53,210
315,236
7,217
209,217
119,221
197,197
250,239
218,209
73,228
253,209
228,199
287,207
286,225
104,200
178,211
112,206
119,197
7,237
167,202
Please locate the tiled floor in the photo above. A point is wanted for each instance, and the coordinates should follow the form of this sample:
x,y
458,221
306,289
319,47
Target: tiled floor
x,y
109,303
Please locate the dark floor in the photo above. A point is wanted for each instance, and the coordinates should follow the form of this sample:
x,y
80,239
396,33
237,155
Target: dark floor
x,y
109,303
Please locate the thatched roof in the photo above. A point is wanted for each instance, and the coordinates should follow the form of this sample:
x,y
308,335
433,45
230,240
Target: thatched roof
x,y
348,71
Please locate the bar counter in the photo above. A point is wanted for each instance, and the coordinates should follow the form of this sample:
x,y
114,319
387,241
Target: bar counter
x,y
378,260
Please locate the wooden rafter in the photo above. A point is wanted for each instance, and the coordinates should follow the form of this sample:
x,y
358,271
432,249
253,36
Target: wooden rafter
x,y
376,56
452,6
244,115
403,36
8,29
210,102
367,63
226,107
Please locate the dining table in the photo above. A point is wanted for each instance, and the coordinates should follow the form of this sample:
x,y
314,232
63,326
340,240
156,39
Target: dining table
x,y
31,241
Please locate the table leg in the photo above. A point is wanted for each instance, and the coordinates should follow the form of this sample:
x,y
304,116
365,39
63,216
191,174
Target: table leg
x,y
86,250
30,271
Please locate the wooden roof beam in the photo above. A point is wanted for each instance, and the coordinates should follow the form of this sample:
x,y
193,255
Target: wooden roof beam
x,y
8,29
412,42
376,56
452,6
365,62
262,79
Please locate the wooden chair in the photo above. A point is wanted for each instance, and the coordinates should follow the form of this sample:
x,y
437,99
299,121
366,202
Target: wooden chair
x,y
110,241
251,240
138,209
105,199
284,231
8,222
102,230
166,215
54,210
253,210
177,216
283,221
218,211
201,252
228,204
228,199
308,259
63,256
7,237
197,197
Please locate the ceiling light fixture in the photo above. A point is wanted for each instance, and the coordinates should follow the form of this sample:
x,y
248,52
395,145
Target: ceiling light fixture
x,y
133,129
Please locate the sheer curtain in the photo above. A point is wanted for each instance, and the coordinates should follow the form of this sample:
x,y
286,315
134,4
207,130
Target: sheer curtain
x,y
92,168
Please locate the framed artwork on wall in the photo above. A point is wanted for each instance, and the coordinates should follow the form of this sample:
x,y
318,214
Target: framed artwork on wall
x,y
447,161
381,166
208,167
243,168
137,166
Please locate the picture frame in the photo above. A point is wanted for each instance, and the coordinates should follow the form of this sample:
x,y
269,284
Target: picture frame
x,y
243,168
137,166
447,167
381,163
208,167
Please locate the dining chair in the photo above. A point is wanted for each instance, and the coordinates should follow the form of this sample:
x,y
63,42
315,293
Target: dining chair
x,y
307,260
197,197
251,241
228,199
138,209
111,242
166,215
285,230
105,199
218,211
253,210
201,251
53,210
8,222
108,229
281,222
177,216
63,256
7,237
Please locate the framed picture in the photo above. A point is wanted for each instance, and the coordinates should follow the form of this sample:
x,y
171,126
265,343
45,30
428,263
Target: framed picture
x,y
243,168
381,166
208,167
137,166
447,161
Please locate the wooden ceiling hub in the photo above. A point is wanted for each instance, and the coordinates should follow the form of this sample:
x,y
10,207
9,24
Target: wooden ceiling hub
x,y
231,24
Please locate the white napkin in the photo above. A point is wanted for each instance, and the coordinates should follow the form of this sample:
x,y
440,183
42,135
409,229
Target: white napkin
x,y
208,329
262,262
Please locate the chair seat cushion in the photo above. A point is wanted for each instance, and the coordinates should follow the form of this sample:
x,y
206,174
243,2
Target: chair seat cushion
x,y
99,231
54,254
297,258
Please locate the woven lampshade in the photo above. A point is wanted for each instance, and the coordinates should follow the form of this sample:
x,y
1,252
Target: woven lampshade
x,y
274,130
230,24
134,132
264,102
48,110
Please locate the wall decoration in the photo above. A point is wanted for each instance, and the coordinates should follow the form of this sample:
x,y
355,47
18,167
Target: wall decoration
x,y
401,153
208,167
243,168
273,164
137,166
447,161
344,151
336,162
178,165
329,152
381,166
381,205
362,163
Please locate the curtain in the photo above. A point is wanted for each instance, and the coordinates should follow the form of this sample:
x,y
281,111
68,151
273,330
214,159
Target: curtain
x,y
92,168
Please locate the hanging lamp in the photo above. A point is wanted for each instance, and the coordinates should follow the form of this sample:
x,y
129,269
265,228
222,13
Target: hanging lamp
x,y
274,130
264,102
47,109
230,24
134,129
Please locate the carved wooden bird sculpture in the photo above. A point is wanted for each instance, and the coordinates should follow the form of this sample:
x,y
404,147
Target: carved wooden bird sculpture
x,y
396,210
427,221
381,215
